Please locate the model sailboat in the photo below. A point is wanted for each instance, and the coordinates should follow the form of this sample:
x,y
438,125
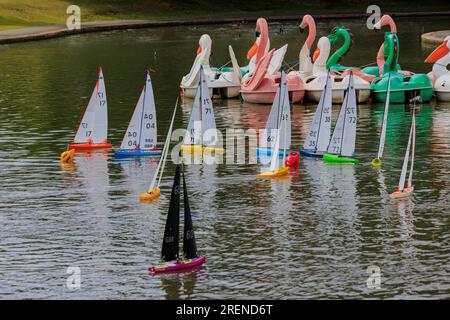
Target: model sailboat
x,y
170,247
273,125
201,134
141,135
92,132
154,191
280,132
316,142
403,192
377,161
342,143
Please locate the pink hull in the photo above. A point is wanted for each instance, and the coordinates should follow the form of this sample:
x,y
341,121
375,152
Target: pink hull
x,y
178,265
267,97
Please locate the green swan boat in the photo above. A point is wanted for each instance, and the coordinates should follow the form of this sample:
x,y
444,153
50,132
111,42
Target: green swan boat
x,y
403,87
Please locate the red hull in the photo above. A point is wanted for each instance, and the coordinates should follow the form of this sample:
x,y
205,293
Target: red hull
x,y
178,265
89,146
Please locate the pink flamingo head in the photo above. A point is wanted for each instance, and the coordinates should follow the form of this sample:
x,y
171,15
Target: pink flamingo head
x,y
386,20
308,21
262,38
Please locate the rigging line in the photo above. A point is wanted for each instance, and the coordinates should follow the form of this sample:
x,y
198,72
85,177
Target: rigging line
x,y
345,115
321,112
142,115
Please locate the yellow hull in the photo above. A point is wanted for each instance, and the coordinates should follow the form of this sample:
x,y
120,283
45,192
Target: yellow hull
x,y
194,148
277,173
376,163
152,195
67,156
406,193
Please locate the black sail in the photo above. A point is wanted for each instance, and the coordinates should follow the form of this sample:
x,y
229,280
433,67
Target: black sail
x,y
170,248
189,245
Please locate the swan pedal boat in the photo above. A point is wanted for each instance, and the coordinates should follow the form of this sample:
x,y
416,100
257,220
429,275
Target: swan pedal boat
x,y
224,82
441,58
177,265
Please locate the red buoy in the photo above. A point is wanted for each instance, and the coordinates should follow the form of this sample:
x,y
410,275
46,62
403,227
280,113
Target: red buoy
x,y
292,160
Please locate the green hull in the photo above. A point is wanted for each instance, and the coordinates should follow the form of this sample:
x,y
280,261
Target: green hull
x,y
403,88
338,159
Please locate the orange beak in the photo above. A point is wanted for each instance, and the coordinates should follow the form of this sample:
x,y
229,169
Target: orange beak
x,y
316,54
199,50
252,51
438,53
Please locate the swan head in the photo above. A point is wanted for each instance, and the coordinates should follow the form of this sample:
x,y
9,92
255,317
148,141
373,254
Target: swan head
x,y
439,52
262,36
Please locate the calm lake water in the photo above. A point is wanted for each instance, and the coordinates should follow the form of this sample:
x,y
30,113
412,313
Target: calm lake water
x,y
310,236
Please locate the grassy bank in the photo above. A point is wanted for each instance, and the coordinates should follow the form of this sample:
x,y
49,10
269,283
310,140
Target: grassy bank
x,y
23,13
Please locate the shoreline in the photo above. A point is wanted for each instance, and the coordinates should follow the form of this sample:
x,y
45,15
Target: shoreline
x,y
53,31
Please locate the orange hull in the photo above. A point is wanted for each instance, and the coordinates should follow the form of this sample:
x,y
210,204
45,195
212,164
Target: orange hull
x,y
89,146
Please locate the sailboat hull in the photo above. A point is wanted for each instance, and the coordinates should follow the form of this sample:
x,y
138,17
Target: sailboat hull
x,y
177,265
152,195
136,152
338,159
309,153
268,152
89,146
407,192
274,174
194,148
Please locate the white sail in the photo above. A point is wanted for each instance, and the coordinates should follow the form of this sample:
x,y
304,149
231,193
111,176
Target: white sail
x,y
148,136
344,135
141,131
274,161
193,134
285,115
384,124
320,130
94,124
401,183
208,120
162,160
350,121
267,138
413,143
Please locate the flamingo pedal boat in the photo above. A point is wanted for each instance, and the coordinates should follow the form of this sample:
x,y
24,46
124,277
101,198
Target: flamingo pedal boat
x,y
178,265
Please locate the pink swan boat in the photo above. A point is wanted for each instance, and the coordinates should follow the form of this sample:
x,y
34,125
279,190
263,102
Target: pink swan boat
x,y
260,84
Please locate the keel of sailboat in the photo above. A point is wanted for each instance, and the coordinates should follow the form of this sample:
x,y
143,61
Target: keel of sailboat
x,y
274,174
334,158
119,153
150,195
180,265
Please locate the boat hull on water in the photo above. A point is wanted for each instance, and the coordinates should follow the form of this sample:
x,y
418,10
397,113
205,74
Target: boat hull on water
x,y
179,265
151,195
89,146
122,153
266,97
194,148
407,192
274,174
269,152
334,158
223,92
309,153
